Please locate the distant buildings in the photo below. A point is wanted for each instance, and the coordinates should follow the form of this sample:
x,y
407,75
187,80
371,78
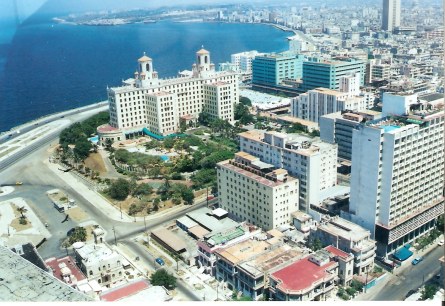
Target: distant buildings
x,y
269,70
312,161
243,60
397,176
147,104
257,192
391,14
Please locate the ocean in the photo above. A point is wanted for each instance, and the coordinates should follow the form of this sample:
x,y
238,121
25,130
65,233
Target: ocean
x,y
48,67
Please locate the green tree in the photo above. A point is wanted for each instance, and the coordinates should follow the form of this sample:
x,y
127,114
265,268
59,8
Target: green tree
x,y
315,133
169,142
188,196
429,291
78,234
296,128
82,149
245,101
22,210
163,278
143,189
109,145
204,118
120,189
315,244
182,126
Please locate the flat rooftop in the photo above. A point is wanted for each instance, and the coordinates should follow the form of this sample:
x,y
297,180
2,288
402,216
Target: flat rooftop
x,y
21,281
301,275
344,228
95,253
271,260
206,218
243,250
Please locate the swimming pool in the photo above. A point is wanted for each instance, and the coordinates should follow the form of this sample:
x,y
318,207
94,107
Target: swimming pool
x,y
165,158
94,139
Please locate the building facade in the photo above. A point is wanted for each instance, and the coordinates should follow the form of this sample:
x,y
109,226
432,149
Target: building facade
x,y
312,161
327,74
397,177
321,101
350,238
390,14
157,105
337,128
252,190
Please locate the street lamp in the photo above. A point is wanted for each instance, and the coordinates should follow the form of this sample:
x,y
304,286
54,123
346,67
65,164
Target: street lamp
x,y
114,232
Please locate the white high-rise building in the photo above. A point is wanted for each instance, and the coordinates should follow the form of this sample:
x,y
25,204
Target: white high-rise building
x,y
391,14
243,60
351,85
312,161
148,104
254,191
322,101
397,179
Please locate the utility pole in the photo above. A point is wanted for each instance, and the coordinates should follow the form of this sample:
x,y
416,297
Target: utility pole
x,y
114,232
366,280
145,224
207,195
120,207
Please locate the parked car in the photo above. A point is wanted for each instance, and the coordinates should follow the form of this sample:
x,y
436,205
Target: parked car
x,y
440,243
416,260
160,261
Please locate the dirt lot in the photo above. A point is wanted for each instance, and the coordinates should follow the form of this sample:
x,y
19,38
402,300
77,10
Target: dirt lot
x,y
16,222
95,163
77,214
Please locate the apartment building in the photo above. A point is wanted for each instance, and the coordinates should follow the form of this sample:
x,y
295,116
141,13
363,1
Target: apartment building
x,y
246,266
322,101
158,105
337,128
243,60
391,14
309,279
318,72
397,176
350,238
100,263
256,192
310,160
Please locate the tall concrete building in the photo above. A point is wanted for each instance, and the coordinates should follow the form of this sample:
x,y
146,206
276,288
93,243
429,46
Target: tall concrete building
x,y
252,190
147,104
397,179
318,72
390,14
310,160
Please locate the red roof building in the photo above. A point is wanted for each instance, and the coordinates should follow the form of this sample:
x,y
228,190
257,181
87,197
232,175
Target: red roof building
x,y
309,279
124,291
65,269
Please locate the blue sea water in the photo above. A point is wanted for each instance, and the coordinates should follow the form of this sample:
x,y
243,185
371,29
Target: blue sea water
x,y
49,67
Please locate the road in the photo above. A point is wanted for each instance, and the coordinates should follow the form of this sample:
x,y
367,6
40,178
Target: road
x,y
410,278
149,260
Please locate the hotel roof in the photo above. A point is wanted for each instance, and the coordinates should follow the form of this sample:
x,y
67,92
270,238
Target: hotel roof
x,y
243,250
343,228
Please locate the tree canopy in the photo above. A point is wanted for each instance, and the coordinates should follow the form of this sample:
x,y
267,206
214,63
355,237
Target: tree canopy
x,y
163,278
120,189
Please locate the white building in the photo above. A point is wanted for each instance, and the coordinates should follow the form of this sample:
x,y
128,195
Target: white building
x,y
321,101
397,104
148,104
397,177
252,190
99,263
391,14
310,160
350,85
243,60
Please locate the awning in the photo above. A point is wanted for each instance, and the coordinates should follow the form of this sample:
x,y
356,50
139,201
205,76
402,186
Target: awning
x,y
403,254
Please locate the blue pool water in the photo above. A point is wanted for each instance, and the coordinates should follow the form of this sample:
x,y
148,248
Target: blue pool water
x,y
94,139
165,158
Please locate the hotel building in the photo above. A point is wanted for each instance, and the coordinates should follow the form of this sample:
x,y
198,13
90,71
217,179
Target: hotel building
x,y
312,161
147,104
252,190
397,179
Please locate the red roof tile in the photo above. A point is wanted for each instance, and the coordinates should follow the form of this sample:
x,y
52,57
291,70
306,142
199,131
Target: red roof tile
x,y
124,291
54,263
336,251
301,275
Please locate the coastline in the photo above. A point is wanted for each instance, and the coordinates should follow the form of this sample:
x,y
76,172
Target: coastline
x,y
50,116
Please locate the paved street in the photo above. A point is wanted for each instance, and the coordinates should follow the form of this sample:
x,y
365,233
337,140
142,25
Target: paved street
x,y
406,278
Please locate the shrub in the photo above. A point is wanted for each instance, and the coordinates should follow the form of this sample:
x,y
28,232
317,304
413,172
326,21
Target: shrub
x,y
163,278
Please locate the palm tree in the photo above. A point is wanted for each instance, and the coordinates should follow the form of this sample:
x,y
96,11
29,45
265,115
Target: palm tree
x,y
22,210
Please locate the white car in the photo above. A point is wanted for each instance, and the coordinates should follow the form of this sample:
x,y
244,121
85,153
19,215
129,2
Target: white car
x,y
440,242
